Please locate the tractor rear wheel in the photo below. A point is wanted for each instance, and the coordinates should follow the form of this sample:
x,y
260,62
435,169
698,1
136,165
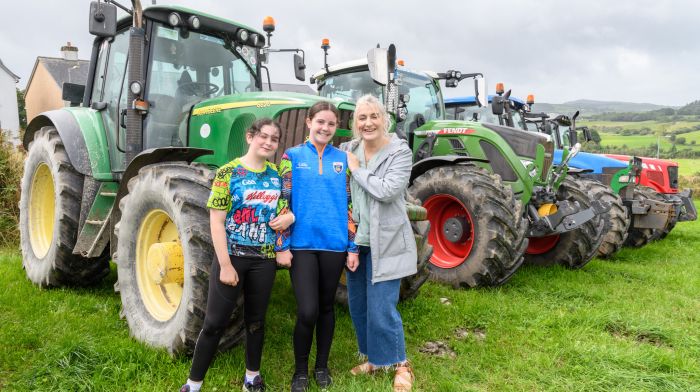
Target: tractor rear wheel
x,y
577,247
639,237
617,217
164,255
49,215
410,285
477,228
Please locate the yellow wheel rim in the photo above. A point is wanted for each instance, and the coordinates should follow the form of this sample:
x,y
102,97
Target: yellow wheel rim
x,y
41,210
159,265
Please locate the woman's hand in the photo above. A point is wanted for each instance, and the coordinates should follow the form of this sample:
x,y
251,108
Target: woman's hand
x,y
228,275
353,162
281,222
353,261
284,258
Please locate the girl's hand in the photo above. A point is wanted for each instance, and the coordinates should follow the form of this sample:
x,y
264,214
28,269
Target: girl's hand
x,y
353,261
228,275
281,222
353,162
284,258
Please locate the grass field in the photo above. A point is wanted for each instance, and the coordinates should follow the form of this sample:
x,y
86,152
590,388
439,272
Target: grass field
x,y
653,125
637,141
630,324
688,167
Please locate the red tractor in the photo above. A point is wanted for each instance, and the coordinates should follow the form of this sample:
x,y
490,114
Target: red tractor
x,y
662,176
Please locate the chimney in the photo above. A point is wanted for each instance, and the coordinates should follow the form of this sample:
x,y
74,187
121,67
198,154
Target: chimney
x,y
69,52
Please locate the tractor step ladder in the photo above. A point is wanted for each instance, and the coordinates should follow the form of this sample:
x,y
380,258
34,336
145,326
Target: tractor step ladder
x,y
95,233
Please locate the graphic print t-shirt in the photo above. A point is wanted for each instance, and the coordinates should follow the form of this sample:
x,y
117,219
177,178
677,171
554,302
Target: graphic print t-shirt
x,y
250,199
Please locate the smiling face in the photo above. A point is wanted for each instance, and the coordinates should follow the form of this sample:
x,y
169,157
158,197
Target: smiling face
x,y
322,127
369,122
264,143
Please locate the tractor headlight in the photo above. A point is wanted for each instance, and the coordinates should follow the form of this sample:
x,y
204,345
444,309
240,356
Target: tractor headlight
x,y
174,19
194,22
242,35
136,87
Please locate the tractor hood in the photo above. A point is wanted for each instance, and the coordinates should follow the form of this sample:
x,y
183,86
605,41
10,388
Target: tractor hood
x,y
600,164
220,123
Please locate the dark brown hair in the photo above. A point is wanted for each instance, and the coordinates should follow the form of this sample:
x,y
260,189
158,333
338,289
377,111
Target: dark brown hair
x,y
257,126
321,106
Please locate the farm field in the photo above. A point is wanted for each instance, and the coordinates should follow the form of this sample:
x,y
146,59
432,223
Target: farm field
x,y
688,167
627,324
637,141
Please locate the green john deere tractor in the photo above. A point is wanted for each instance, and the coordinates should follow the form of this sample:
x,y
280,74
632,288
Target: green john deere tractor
x,y
125,172
487,188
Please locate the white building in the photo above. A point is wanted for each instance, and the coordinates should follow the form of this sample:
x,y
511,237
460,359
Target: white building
x,y
9,112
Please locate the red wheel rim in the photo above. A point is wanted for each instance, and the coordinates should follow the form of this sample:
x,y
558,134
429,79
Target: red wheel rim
x,y
447,254
539,245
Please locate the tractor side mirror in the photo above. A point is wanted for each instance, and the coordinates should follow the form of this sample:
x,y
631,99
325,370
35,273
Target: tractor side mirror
x,y
498,105
480,92
378,64
103,19
299,68
73,93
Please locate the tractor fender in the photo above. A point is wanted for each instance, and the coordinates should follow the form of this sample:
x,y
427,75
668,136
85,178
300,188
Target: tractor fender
x,y
70,133
145,158
426,164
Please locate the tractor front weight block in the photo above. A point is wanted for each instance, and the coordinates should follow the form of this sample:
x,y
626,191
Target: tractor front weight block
x,y
568,217
688,210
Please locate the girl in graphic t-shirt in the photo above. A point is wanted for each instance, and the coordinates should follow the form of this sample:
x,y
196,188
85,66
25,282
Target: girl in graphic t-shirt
x,y
243,209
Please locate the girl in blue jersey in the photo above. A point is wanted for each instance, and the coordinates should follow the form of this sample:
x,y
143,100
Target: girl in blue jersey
x,y
315,187
243,218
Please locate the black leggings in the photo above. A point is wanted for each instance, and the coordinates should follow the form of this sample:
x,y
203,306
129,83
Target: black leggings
x,y
315,276
255,278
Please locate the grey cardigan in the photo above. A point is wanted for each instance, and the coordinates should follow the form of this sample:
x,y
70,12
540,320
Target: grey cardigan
x,y
391,238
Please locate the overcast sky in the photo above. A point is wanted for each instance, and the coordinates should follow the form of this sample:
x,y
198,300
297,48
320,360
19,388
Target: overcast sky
x,y
622,50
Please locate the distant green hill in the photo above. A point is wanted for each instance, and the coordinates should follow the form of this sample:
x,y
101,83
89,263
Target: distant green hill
x,y
590,107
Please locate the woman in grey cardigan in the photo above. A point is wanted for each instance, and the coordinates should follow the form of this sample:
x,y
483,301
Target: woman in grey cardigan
x,y
381,166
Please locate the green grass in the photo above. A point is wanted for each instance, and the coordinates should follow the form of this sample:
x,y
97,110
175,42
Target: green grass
x,y
630,324
688,167
653,125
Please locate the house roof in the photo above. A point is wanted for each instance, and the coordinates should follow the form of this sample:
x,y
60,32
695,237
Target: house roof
x,y
4,67
62,70
291,88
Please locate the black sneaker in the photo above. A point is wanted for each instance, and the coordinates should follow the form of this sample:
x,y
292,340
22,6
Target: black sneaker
x,y
300,382
256,386
323,377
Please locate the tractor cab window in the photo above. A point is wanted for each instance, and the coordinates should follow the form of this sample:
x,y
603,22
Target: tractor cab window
x,y
186,68
350,86
472,112
425,101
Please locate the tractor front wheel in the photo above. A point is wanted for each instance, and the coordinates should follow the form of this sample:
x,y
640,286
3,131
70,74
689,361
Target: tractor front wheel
x,y
618,218
575,248
49,215
164,255
476,226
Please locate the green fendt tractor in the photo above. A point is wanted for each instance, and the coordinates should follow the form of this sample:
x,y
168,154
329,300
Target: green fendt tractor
x,y
125,172
487,188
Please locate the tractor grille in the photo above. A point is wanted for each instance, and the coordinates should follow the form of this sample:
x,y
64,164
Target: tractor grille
x,y
673,176
294,131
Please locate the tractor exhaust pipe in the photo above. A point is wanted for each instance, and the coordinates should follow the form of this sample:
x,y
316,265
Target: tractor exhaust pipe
x,y
134,116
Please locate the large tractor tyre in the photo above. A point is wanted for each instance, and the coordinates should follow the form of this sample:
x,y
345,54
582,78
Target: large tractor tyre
x,y
575,248
639,237
410,285
477,228
49,214
661,234
164,255
617,217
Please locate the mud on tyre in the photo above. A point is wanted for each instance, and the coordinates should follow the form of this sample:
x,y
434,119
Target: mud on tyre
x,y
164,256
617,217
477,228
49,217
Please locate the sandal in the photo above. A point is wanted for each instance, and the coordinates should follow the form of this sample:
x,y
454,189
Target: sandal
x,y
363,368
403,380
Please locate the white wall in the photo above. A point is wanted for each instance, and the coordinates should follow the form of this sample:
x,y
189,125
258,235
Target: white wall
x,y
9,113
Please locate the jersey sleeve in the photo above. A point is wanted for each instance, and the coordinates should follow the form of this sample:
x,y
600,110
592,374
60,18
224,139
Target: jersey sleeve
x,y
352,229
220,196
284,202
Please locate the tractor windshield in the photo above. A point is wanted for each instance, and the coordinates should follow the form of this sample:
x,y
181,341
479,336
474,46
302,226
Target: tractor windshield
x,y
185,68
425,99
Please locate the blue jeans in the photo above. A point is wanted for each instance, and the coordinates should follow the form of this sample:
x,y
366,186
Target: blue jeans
x,y
373,310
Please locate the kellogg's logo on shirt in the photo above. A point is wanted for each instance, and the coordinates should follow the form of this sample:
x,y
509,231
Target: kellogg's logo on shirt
x,y
338,167
264,197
